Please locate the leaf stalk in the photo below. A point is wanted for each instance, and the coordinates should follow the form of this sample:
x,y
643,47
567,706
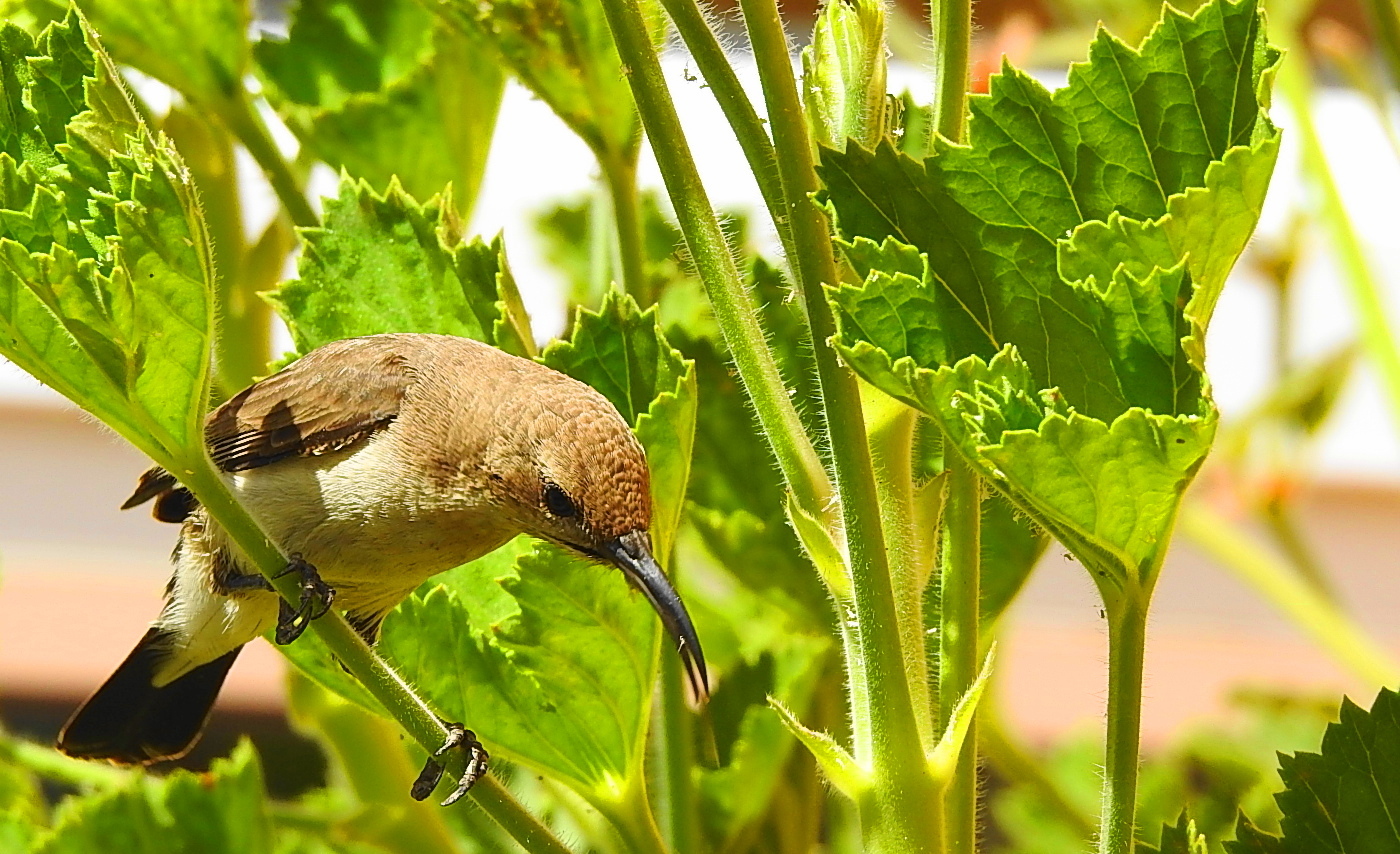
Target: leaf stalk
x,y
1127,644
958,648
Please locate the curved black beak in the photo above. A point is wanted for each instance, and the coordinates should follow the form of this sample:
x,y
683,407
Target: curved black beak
x,y
632,554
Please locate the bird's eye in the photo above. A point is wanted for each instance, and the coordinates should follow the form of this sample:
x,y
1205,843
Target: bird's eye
x,y
558,503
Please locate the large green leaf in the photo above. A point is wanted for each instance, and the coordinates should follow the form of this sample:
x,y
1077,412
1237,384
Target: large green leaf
x,y
1043,291
1345,798
105,268
385,89
386,263
221,812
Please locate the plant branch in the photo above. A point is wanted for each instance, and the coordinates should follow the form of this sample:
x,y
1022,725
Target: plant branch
x,y
620,175
894,813
734,306
1329,628
959,650
951,24
719,75
246,123
1127,644
386,686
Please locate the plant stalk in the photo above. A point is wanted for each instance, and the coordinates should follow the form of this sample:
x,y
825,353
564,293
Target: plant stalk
x,y
895,814
246,123
734,306
386,686
1127,644
620,175
674,735
1298,600
958,649
951,24
748,129
1385,20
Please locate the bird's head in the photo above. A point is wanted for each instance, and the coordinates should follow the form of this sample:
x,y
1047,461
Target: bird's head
x,y
581,480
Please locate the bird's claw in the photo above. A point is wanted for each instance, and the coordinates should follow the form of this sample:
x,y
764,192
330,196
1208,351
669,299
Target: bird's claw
x,y
316,599
477,763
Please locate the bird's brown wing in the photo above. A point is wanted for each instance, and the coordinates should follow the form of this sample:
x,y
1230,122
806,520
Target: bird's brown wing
x,y
327,401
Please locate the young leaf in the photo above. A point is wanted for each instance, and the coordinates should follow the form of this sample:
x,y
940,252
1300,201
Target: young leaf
x,y
1043,291
838,765
843,75
105,268
1180,838
386,263
1343,798
943,759
1251,840
221,812
385,89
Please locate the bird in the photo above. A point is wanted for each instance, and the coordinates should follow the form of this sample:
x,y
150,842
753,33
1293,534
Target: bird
x,y
375,463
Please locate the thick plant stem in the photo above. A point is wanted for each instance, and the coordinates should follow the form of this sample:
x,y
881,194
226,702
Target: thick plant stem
x,y
958,647
951,23
1127,644
734,306
719,75
674,738
244,121
620,175
386,686
1298,600
895,814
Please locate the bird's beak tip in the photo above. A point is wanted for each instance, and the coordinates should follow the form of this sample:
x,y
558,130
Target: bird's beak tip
x,y
632,554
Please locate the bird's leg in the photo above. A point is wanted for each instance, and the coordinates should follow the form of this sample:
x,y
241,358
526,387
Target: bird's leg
x,y
316,599
477,759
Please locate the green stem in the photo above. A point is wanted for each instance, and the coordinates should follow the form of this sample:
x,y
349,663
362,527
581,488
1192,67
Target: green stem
x,y
246,123
1127,643
387,686
631,817
748,129
620,175
734,306
895,814
958,649
54,766
674,736
1329,628
1366,290
951,23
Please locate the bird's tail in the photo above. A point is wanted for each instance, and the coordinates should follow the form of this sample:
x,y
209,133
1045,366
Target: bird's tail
x,y
130,720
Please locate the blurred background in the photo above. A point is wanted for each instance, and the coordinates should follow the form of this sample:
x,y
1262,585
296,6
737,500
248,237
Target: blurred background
x,y
1304,483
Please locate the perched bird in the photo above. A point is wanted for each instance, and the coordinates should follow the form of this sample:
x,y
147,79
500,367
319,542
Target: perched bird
x,y
375,463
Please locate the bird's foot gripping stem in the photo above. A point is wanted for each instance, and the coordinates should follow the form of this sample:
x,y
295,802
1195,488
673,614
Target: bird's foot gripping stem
x,y
316,599
477,758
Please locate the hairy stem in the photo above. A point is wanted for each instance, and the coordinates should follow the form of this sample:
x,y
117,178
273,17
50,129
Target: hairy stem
x,y
894,813
951,23
1127,644
748,129
734,306
387,686
673,734
958,649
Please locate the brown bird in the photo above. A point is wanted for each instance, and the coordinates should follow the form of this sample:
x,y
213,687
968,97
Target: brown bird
x,y
376,463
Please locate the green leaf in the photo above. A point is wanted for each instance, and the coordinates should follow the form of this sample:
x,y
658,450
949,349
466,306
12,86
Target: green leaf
x,y
1343,798
198,47
1251,840
1043,292
386,263
563,51
385,89
943,759
105,268
843,75
223,810
621,351
838,766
